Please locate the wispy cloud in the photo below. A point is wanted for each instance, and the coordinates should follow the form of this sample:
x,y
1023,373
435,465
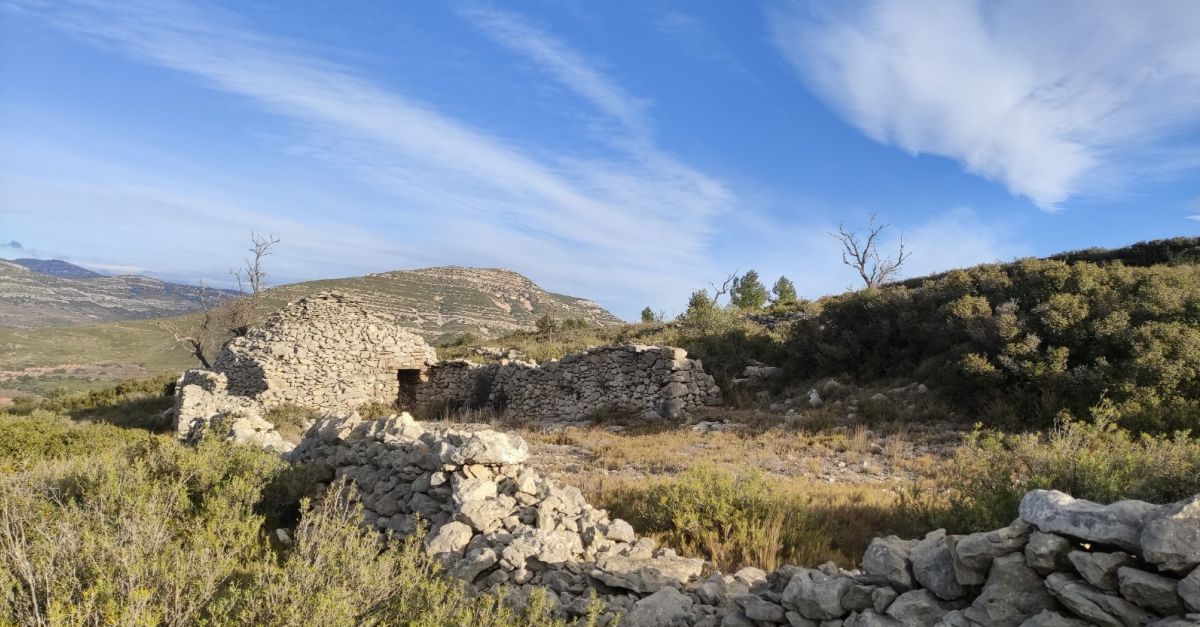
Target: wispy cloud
x,y
629,215
1051,99
565,64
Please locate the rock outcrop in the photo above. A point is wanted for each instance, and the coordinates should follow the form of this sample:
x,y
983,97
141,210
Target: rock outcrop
x,y
495,523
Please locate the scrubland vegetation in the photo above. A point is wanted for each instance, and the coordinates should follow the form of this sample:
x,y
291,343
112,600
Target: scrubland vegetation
x,y
1080,373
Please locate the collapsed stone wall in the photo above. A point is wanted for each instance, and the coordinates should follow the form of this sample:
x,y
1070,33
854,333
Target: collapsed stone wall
x,y
326,351
494,522
653,382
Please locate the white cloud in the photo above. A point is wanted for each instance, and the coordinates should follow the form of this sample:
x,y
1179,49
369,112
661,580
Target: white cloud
x,y
610,227
1051,99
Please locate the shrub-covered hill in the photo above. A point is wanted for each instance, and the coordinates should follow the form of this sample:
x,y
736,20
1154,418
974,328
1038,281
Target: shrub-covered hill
x,y
1026,340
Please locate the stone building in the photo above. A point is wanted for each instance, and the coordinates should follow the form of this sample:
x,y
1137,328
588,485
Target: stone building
x,y
326,351
331,353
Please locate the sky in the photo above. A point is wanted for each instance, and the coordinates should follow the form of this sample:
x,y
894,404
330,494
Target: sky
x,y
624,151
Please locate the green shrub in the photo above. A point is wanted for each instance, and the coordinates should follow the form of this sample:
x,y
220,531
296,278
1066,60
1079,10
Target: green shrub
x,y
162,534
291,419
138,403
1097,461
42,435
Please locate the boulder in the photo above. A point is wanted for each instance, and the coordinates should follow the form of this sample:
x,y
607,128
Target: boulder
x,y
1013,593
815,595
1047,552
667,607
489,448
1099,569
1153,592
646,575
1171,537
888,561
1189,590
977,550
1119,524
758,609
918,608
933,566
1091,603
449,540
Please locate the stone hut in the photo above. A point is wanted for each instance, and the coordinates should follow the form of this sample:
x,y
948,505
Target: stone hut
x,y
327,351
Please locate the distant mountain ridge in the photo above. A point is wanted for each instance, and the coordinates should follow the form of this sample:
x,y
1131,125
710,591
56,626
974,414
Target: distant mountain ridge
x,y
59,293
57,267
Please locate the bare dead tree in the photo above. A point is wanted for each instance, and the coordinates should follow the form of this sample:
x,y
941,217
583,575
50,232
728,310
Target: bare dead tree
x,y
250,281
199,339
728,284
221,322
864,257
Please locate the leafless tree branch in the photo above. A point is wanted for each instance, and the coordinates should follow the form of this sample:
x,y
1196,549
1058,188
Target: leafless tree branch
x,y
863,255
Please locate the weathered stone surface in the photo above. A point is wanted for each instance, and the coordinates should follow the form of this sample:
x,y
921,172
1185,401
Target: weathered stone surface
x,y
918,607
933,566
646,574
1047,552
667,607
815,595
1099,569
1189,590
1171,537
1119,524
490,447
1153,592
1050,618
888,561
1090,603
1013,593
450,539
977,550
759,609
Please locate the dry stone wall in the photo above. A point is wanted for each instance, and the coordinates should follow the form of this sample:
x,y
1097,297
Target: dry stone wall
x,y
652,382
495,522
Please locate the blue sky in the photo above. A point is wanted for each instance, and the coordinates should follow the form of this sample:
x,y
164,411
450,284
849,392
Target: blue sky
x,y
629,152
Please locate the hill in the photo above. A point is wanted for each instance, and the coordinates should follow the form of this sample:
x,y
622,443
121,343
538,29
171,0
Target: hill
x,y
57,267
37,293
449,301
441,303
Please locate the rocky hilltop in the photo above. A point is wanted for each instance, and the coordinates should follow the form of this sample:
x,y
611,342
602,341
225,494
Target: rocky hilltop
x,y
44,294
447,301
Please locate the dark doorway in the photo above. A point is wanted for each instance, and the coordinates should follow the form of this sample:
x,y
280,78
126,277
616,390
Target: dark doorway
x,y
406,400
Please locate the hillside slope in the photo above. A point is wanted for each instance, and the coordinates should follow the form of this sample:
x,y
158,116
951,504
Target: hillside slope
x,y
447,301
440,303
30,298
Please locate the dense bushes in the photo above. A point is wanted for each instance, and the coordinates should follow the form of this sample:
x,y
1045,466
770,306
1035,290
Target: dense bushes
x,y
154,533
136,403
1018,343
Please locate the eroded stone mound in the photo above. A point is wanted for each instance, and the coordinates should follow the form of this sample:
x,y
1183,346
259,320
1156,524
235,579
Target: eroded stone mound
x,y
495,522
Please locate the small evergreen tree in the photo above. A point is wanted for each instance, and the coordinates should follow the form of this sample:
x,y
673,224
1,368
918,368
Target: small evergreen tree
x,y
748,292
699,305
648,315
546,326
785,291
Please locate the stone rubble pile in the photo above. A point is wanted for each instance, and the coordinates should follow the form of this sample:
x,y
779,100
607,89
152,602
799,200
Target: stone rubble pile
x,y
648,382
494,522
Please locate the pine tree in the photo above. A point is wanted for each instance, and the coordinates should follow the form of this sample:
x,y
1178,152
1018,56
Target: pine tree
x,y
785,291
748,292
648,315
